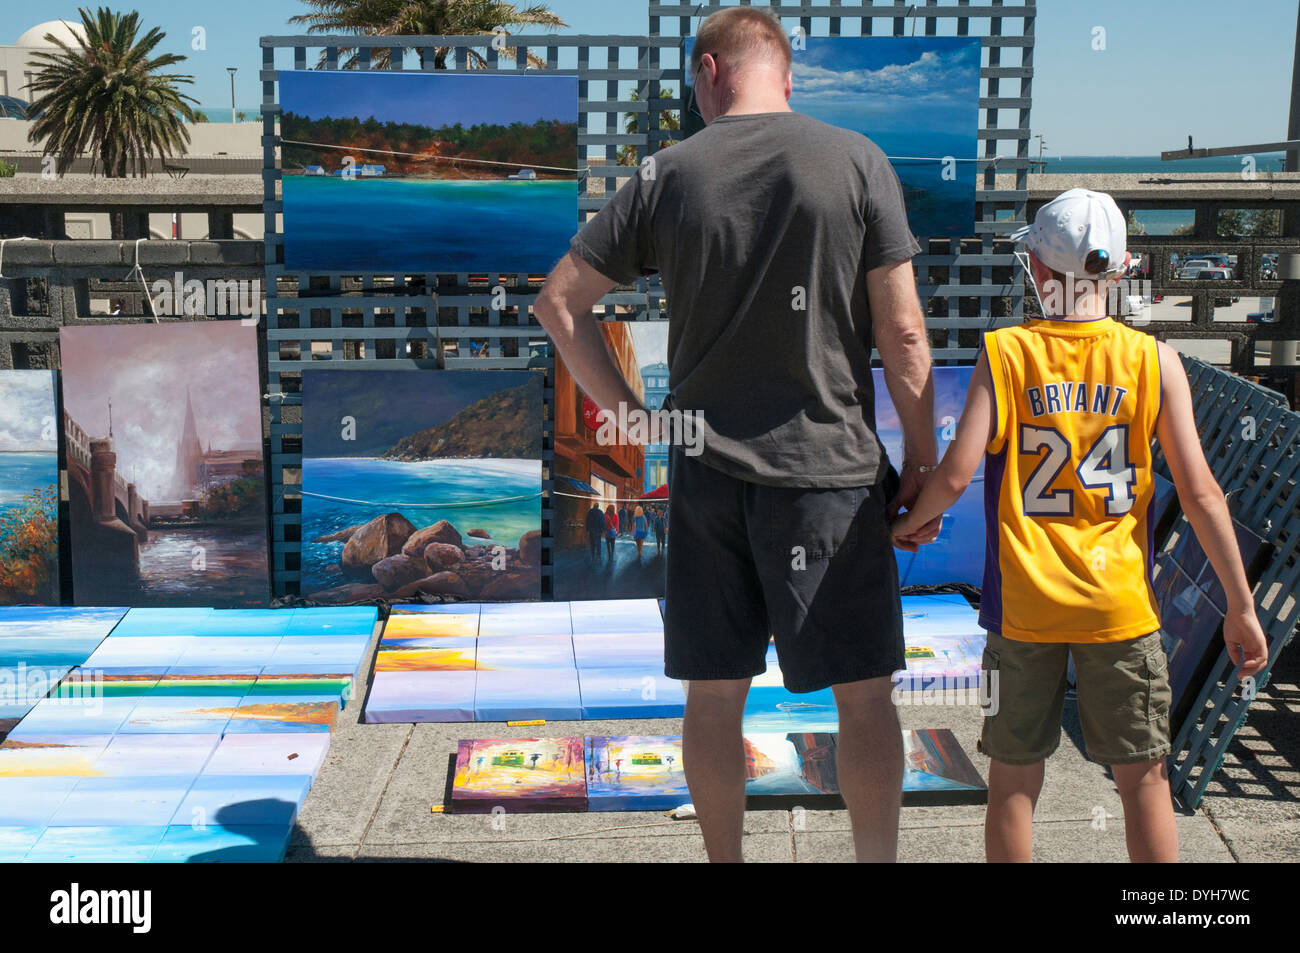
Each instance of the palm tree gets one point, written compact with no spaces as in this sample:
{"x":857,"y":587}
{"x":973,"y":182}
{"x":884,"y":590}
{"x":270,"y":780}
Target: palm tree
{"x":423,"y":18}
{"x":668,"y":119}
{"x":106,"y":97}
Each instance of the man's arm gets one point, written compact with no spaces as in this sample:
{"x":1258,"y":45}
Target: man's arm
{"x":564,"y":309}
{"x":960,"y":461}
{"x":1202,"y":501}
{"x":898,"y":325}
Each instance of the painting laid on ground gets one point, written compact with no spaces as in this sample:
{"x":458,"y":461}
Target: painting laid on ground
{"x":422,"y":483}
{"x":418,"y":172}
{"x":29,"y":488}
{"x":611,"y":498}
{"x":163,"y":429}
{"x":519,"y":774}
{"x":917,"y":98}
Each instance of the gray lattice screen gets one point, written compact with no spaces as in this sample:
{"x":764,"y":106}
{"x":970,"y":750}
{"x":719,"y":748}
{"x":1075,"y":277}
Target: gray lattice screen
{"x":404,"y":321}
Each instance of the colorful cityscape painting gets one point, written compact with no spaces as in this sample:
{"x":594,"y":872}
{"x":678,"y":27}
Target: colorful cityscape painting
{"x":418,"y":173}
{"x":163,"y":429}
{"x":646,"y":773}
{"x":519,"y":774}
{"x":29,"y":489}
{"x":611,"y":499}
{"x":917,"y":98}
{"x":422,"y":484}
{"x":167,"y":762}
{"x":635,"y":773}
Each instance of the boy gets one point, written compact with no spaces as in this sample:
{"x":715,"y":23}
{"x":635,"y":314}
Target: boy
{"x":1064,"y":409}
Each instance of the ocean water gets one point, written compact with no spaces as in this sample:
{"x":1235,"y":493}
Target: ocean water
{"x":1073,"y":165}
{"x":408,"y":488}
{"x":427,"y":225}
{"x":20,"y":473}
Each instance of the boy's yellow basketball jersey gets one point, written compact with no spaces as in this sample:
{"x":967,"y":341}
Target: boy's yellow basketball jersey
{"x":1068,"y":484}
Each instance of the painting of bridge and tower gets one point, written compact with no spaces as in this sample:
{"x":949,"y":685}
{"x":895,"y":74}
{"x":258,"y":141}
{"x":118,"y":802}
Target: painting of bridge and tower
{"x":163,"y":431}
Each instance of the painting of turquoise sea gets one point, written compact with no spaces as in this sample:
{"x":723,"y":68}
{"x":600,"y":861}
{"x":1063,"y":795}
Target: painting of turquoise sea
{"x":29,"y":489}
{"x":422,"y":483}
{"x":917,"y":98}
{"x":422,"y":173}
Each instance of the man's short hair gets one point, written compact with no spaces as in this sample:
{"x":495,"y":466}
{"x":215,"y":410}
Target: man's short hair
{"x":741,"y":35}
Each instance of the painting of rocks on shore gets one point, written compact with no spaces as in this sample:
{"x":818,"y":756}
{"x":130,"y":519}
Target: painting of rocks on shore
{"x":163,"y":430}
{"x":421,"y":486}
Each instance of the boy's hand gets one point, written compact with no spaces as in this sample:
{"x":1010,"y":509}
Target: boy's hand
{"x":909,"y":536}
{"x":1245,"y":640}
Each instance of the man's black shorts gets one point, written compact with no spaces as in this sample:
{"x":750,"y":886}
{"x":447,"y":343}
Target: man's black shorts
{"x":813,"y":567}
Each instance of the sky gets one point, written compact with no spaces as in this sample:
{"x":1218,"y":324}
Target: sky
{"x":1165,"y":69}
{"x":405,"y":97}
{"x":27,"y":411}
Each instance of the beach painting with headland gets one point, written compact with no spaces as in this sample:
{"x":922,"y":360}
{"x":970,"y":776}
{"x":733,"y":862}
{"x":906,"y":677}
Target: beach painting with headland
{"x":422,"y":485}
{"x":163,"y":429}
{"x":917,"y":98}
{"x":420,"y":173}
{"x":29,"y":489}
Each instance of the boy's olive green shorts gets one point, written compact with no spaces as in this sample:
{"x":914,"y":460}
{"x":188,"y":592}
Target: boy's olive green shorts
{"x":1123,"y":695}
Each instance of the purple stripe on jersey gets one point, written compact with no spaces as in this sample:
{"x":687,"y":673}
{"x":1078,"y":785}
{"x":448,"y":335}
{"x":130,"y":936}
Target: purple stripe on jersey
{"x":1151,"y":538}
{"x":995,"y":465}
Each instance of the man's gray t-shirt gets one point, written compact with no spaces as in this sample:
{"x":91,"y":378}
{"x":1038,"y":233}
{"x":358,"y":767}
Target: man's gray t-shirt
{"x":763,"y":228}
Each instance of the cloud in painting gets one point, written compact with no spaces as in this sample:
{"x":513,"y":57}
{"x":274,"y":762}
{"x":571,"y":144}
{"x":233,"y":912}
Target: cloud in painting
{"x":26,"y":405}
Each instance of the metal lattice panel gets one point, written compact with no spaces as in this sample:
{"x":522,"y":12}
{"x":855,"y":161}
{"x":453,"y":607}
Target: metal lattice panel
{"x":1252,"y":444}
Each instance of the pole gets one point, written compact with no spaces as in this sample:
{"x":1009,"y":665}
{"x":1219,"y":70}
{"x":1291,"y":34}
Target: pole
{"x":232,"y":70}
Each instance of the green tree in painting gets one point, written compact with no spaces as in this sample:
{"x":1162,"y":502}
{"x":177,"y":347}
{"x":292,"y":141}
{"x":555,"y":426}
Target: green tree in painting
{"x":423,"y":18}
{"x":107,"y":97}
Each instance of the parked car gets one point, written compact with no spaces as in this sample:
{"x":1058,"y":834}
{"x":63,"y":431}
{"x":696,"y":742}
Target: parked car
{"x":1219,"y":274}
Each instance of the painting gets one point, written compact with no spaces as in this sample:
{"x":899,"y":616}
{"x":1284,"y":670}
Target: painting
{"x":422,"y":484}
{"x":413,"y":173}
{"x":39,"y":645}
{"x":521,"y":775}
{"x":771,"y":708}
{"x":619,"y":650}
{"x":29,"y":489}
{"x":958,"y":554}
{"x":611,"y":495}
{"x":944,"y":644}
{"x":163,"y":429}
{"x":1192,"y":604}
{"x":917,"y":98}
{"x":635,"y":773}
{"x":163,"y":761}
{"x":424,"y":668}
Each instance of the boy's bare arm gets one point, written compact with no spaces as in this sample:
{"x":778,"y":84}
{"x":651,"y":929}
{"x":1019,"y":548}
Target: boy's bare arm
{"x":960,"y":461}
{"x":1202,"y":501}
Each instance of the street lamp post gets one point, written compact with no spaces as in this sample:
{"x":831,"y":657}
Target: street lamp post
{"x":232,"y":70}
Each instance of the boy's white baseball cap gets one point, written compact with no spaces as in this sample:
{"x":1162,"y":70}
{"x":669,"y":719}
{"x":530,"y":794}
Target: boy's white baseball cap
{"x":1071,"y":227}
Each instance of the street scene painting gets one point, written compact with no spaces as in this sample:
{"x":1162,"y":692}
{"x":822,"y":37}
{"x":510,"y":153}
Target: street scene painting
{"x":163,"y":429}
{"x":415,"y":172}
{"x":422,"y":483}
{"x":611,"y":498}
{"x":29,"y":489}
{"x":917,"y":98}
{"x":519,"y":774}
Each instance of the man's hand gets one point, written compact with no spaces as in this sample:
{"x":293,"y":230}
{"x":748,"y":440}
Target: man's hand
{"x":1245,"y":640}
{"x":908,"y":535}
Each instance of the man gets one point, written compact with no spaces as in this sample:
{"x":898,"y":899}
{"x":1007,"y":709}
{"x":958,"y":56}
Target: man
{"x":595,"y":525}
{"x":781,"y":242}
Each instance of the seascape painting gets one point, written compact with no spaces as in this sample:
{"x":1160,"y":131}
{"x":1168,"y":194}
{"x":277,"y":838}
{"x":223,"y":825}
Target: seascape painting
{"x":422,"y":483}
{"x":418,"y":173}
{"x":917,"y":98}
{"x":29,"y":489}
{"x":163,"y":428}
